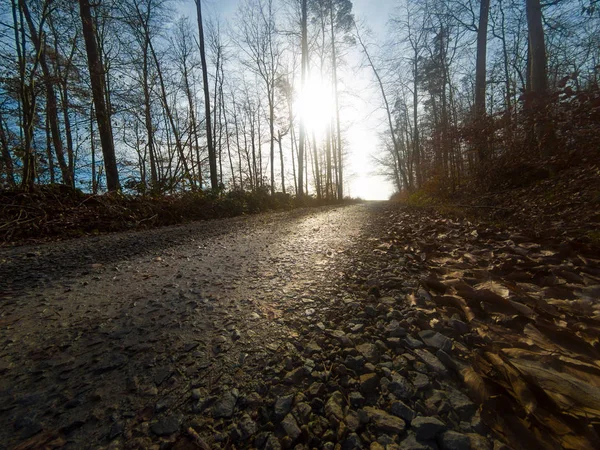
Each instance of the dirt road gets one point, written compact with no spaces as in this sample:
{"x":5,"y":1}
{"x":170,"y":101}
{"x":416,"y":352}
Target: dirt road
{"x":96,"y":329}
{"x":290,"y":330}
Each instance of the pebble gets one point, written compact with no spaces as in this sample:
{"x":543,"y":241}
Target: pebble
{"x":291,"y":427}
{"x":402,"y":410}
{"x":334,"y":407}
{"x":225,"y":405}
{"x":451,"y":440}
{"x":369,"y":383}
{"x":370,"y":352}
{"x":413,"y":343}
{"x":400,"y":387}
{"x":283,"y":405}
{"x":382,"y":421}
{"x":427,"y":427}
{"x":296,"y":375}
{"x":435,"y":340}
{"x":431,"y":361}
{"x":165,"y":426}
{"x":356,"y":399}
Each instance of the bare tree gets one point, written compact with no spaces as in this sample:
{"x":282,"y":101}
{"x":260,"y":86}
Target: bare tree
{"x":212,"y":158}
{"x":98,"y":85}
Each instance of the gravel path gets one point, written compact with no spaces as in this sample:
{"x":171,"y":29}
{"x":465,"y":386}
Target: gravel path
{"x":320,"y":328}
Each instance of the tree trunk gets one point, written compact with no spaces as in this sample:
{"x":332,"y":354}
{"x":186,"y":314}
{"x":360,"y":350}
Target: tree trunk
{"x":304,"y":62}
{"x":97,"y":81}
{"x":281,"y":161}
{"x":212,"y":158}
{"x":340,"y":186}
{"x":395,"y":141}
{"x":544,"y":131}
{"x":51,"y":106}
{"x":49,"y":154}
{"x":6,"y":158}
{"x":148,"y":117}
{"x":480,"y":79}
{"x":178,"y":143}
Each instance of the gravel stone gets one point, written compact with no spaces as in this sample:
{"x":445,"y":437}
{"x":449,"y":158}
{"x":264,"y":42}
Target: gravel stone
{"x":283,"y":405}
{"x":451,"y":440}
{"x":291,"y":427}
{"x":383,"y":421}
{"x":370,"y":352}
{"x":224,"y":406}
{"x":436,"y":340}
{"x":427,"y":427}
{"x":402,"y":410}
{"x":369,"y":383}
{"x":165,"y":426}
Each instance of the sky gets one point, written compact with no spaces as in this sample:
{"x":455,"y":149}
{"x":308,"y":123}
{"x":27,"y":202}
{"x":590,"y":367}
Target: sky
{"x":361,"y":110}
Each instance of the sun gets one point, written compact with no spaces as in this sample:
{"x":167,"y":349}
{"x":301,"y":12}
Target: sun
{"x":315,"y":106}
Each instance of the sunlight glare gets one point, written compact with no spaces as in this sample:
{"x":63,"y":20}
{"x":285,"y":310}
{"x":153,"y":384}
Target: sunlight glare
{"x":315,"y":107}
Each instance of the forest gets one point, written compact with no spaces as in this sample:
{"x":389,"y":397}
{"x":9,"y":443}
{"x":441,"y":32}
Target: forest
{"x":136,"y":96}
{"x":184,"y":263}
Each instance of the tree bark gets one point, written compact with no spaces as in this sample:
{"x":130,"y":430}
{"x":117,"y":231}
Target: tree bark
{"x":212,"y":158}
{"x":302,"y":134}
{"x":6,"y":158}
{"x":340,"y":185}
{"x":51,"y":106}
{"x":480,"y":79}
{"x":538,"y":78}
{"x":98,"y":83}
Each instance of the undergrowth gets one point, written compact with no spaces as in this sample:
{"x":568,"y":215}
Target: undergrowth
{"x":58,"y":211}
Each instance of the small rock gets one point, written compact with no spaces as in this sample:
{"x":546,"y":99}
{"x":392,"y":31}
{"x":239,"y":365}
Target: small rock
{"x":370,"y":352}
{"x":312,"y":347}
{"x":272,"y":443}
{"x":352,"y":442}
{"x":411,"y":443}
{"x":247,"y":426}
{"x":165,"y":426}
{"x":369,"y":383}
{"x":334,"y":407}
{"x":479,"y":442}
{"x":394,"y":330}
{"x":196,"y":394}
{"x":427,"y":427}
{"x":290,"y":427}
{"x":385,"y":422}
{"x":431,"y":361}
{"x":402,"y":410}
{"x":435,"y":340}
{"x":461,"y":404}
{"x":283,"y":405}
{"x":352,"y":420}
{"x":162,"y":375}
{"x":413,"y":343}
{"x":27,"y":426}
{"x":356,"y":399}
{"x":111,"y":363}
{"x":115,"y":430}
{"x":420,"y":381}
{"x":451,"y":440}
{"x":296,"y":375}
{"x":459,"y":326}
{"x":354,"y":363}
{"x":225,"y":405}
{"x":401,"y":387}
{"x":316,"y":389}
{"x":302,"y":412}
